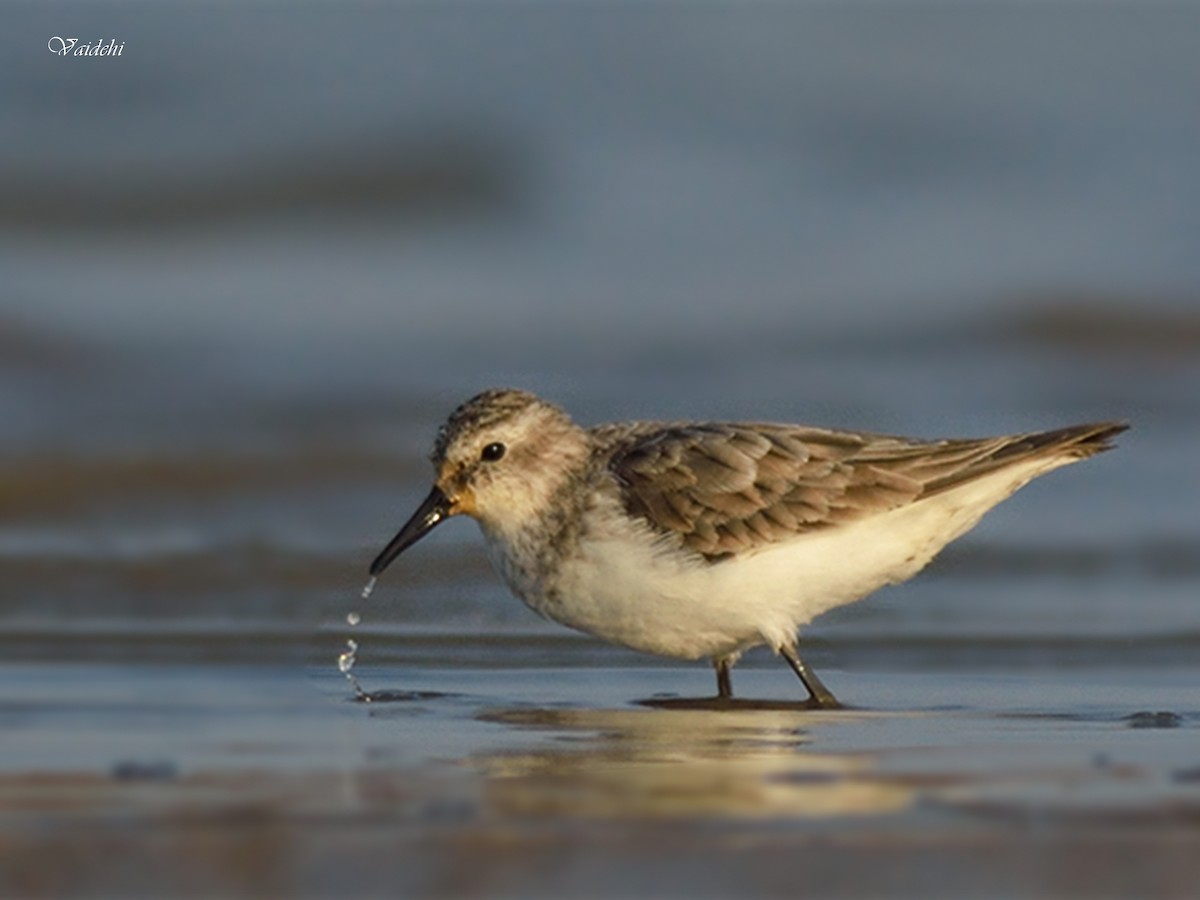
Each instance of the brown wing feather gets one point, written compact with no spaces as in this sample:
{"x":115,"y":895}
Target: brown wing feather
{"x":725,"y":489}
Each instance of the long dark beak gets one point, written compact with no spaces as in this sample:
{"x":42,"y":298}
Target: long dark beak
{"x":435,"y":508}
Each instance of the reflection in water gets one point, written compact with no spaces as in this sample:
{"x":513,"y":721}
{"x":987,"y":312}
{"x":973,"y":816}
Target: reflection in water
{"x":681,"y":763}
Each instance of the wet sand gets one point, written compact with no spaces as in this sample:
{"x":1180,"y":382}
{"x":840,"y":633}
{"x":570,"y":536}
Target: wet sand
{"x":264,"y":781}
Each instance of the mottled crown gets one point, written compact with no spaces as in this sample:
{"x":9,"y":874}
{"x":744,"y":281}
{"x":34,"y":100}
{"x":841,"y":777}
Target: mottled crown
{"x":482,"y":410}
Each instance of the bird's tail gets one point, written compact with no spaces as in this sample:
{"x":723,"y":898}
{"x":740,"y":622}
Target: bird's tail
{"x":1074,"y":441}
{"x":972,"y":459}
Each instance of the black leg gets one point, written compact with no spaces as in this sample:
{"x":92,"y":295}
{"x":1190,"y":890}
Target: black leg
{"x":819,"y":695}
{"x":724,"y":682}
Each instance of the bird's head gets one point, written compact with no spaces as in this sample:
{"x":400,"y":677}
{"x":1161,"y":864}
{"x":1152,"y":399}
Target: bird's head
{"x":499,"y":458}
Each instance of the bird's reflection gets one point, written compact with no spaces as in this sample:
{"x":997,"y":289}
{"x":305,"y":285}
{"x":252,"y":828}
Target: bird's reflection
{"x":655,"y":763}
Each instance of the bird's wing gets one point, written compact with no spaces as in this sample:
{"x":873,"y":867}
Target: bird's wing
{"x":725,"y":489}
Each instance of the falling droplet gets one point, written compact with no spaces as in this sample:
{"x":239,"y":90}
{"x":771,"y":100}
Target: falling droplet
{"x":346,"y":659}
{"x":349,"y":656}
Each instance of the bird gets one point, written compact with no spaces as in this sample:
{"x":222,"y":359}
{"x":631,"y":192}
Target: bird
{"x":701,"y":540}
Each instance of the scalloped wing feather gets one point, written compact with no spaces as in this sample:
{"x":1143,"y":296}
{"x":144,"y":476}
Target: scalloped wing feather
{"x":727,"y":489}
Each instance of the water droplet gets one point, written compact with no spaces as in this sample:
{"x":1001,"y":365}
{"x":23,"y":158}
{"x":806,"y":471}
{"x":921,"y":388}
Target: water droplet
{"x":346,"y":658}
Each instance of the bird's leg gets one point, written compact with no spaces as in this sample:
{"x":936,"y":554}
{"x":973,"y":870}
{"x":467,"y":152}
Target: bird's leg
{"x":724,"y":682}
{"x":819,"y":695}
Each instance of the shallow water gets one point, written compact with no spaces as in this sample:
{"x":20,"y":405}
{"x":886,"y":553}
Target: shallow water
{"x":173,"y":721}
{"x":191,"y":762}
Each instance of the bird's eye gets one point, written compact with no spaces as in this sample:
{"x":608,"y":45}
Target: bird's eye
{"x":492,"y":452}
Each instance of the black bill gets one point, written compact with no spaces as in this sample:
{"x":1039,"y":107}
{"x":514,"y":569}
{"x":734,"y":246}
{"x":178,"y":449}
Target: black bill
{"x":434,"y":508}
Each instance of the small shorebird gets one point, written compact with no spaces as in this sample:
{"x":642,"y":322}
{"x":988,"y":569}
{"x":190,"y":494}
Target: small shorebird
{"x":704,"y":539}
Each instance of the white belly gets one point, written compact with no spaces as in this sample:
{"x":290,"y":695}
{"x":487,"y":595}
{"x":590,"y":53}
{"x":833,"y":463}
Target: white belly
{"x":625,"y":589}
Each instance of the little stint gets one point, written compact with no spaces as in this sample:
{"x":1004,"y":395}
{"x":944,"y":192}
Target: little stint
{"x":704,"y":539}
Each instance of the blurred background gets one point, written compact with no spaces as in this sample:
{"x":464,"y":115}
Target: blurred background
{"x":248,"y":266}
